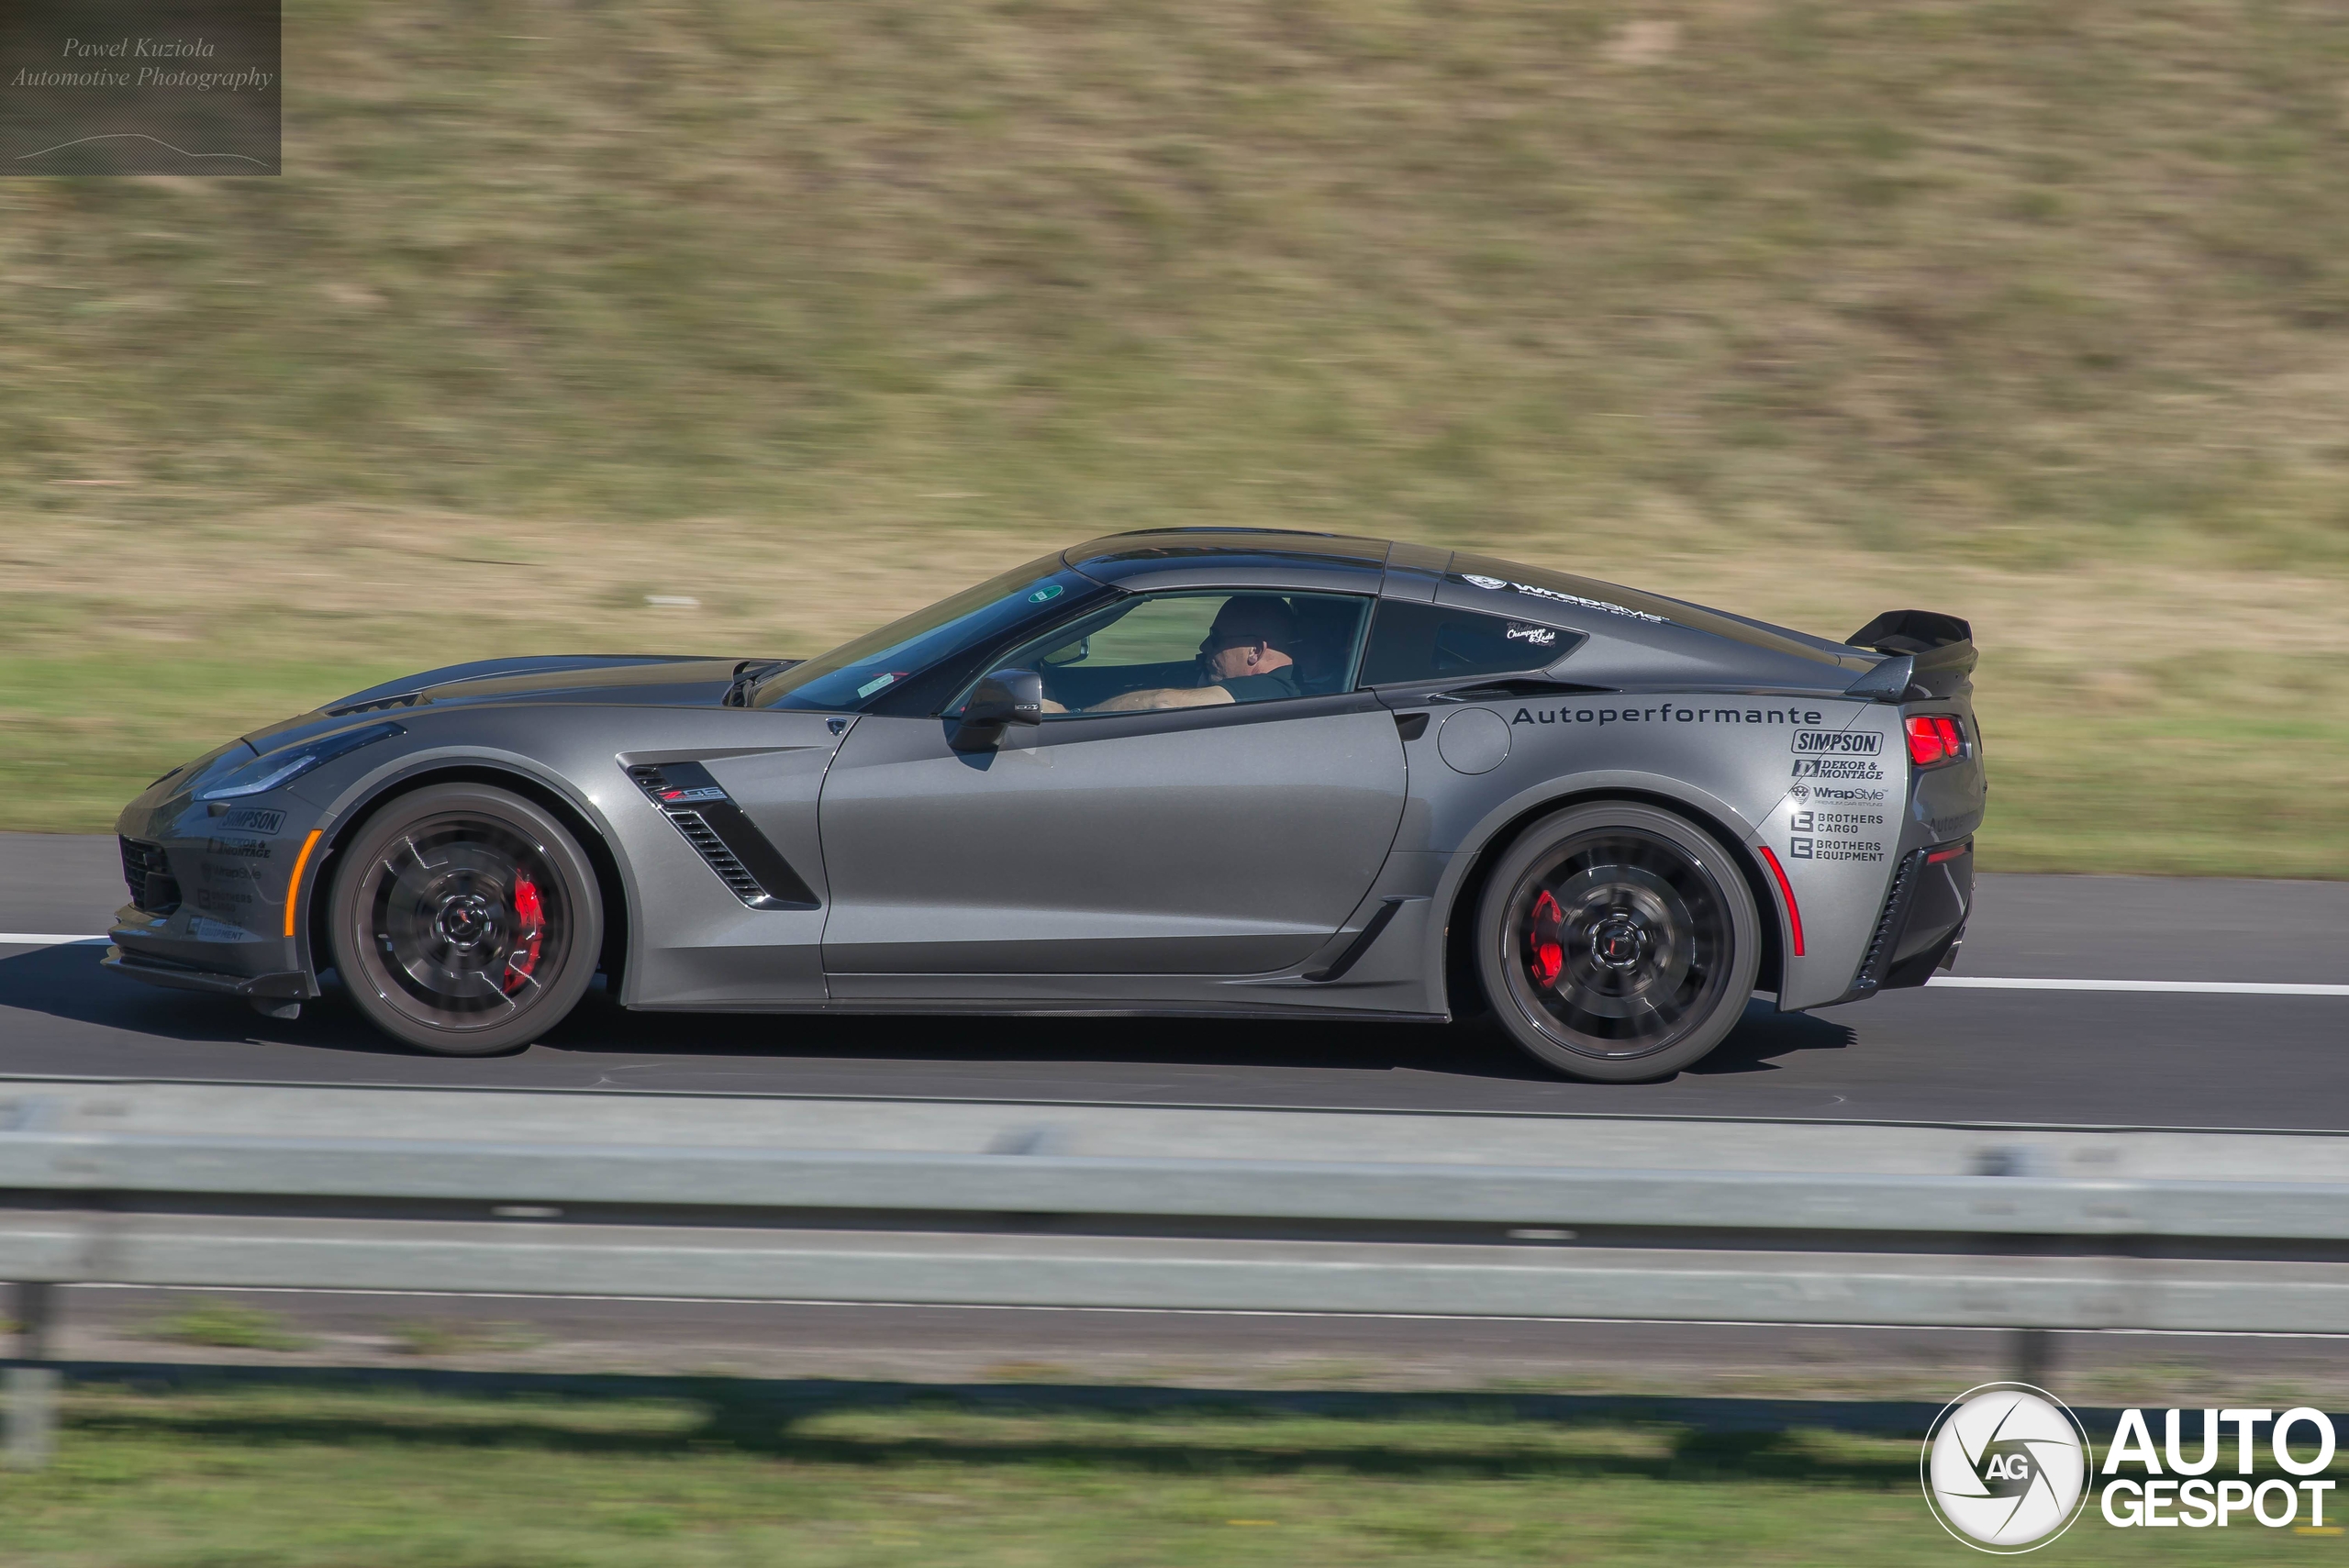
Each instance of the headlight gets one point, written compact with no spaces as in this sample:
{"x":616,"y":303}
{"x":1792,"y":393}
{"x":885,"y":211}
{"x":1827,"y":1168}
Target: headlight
{"x":266,"y":772}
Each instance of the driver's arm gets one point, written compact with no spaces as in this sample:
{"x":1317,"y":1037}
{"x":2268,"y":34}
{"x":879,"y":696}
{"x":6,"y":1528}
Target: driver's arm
{"x":1163,"y":697}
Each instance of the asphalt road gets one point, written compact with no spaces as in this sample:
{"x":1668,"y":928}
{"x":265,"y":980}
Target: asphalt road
{"x":2020,"y":1057}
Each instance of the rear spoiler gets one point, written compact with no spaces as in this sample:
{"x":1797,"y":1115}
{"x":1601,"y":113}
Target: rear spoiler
{"x":1931,"y":656}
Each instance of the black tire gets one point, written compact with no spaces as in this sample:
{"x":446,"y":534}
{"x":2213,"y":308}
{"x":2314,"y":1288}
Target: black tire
{"x":1616,"y":942}
{"x":464,"y":920}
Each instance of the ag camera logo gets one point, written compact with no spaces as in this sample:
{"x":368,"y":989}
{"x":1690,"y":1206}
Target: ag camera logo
{"x":2006,"y":1467}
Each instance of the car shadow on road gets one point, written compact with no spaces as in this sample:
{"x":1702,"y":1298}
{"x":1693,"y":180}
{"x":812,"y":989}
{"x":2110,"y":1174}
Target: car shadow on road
{"x":1765,"y":1034}
{"x":67,"y":982}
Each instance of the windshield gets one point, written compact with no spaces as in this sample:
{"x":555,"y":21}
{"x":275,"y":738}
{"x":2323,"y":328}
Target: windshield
{"x":861,"y":671}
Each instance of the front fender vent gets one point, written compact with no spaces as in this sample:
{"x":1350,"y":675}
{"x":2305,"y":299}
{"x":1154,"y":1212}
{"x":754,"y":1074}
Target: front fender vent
{"x":729,"y":870}
{"x":729,"y":842}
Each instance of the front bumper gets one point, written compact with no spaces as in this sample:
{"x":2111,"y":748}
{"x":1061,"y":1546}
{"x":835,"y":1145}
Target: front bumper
{"x":208,"y":895}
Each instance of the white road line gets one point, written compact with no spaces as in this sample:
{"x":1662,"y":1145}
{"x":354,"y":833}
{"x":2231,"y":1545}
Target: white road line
{"x":41,"y":939}
{"x":2210,"y":988}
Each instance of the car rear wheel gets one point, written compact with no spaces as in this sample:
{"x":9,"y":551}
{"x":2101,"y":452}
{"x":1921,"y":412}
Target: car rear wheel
{"x":1618,"y":942}
{"x":465,"y":920}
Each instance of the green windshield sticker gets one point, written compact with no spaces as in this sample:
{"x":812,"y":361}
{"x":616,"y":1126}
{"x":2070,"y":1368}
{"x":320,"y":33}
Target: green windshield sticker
{"x":1049,"y":591}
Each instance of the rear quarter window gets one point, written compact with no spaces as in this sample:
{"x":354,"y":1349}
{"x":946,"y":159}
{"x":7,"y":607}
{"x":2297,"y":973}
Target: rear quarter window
{"x":1433,"y":642}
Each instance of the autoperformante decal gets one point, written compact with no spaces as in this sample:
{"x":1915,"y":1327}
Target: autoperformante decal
{"x":1495,"y":584}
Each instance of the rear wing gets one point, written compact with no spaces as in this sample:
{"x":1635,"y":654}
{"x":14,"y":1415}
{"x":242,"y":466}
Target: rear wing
{"x":1931,"y":657}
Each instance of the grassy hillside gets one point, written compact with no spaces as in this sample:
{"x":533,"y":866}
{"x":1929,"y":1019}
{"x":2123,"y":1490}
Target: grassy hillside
{"x":2038,"y":312}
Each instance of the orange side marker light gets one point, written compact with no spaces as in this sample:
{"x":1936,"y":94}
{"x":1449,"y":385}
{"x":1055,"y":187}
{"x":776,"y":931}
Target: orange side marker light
{"x":311,"y":843}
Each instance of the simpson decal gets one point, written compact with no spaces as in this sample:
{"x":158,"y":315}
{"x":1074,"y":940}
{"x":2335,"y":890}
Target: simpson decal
{"x":1838,"y":743}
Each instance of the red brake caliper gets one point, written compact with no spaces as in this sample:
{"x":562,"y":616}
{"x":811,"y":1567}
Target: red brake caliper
{"x":529,"y":933}
{"x":1549,"y":955}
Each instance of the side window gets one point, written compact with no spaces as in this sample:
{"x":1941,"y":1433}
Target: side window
{"x":1433,"y":642}
{"x":1196,"y":649}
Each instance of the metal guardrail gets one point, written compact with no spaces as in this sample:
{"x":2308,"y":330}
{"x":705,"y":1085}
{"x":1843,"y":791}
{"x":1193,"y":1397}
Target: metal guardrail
{"x":413,"y":1170}
{"x":1431,"y":1235}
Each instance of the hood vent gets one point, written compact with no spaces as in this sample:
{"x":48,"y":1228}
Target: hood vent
{"x":405,"y":699}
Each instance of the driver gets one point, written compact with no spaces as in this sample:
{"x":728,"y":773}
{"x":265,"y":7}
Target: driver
{"x":1246,"y":656}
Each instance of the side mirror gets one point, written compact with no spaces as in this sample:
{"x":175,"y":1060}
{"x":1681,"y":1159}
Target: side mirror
{"x":1004,"y":698}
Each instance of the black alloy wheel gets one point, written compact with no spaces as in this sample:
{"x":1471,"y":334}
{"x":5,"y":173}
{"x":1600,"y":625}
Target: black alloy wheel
{"x":1618,"y":942}
{"x":465,"y":920}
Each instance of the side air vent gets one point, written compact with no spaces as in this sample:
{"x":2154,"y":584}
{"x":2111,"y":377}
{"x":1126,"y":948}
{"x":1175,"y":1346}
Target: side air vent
{"x":730,"y":871}
{"x":723,"y":835}
{"x":148,"y":875}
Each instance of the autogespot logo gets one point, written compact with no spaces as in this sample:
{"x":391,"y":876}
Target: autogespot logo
{"x":2006,"y":1467}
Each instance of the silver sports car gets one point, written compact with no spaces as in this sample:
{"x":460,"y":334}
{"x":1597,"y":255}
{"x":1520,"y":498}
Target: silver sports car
{"x":1196,"y":771}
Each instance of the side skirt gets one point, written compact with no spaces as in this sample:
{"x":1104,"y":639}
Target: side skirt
{"x":1034,"y":1009}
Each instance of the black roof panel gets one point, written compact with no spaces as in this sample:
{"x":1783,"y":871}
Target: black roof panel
{"x":1165,"y":554}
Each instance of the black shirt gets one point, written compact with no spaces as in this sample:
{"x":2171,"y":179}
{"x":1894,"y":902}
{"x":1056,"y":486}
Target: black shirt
{"x":1280,"y":683}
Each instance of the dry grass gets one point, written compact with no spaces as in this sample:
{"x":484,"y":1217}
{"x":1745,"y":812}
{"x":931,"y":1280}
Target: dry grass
{"x":2145,"y":716}
{"x":2038,"y":311}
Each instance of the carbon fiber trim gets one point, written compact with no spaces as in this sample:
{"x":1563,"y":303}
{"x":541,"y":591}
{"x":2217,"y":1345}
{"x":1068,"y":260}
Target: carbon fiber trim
{"x":1889,"y":926}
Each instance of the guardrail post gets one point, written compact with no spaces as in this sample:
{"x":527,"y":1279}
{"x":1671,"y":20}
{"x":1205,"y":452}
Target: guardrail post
{"x":2034,"y":1356}
{"x":32,"y":1390}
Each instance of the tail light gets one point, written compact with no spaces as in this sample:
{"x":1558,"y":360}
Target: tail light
{"x":1934,"y":739}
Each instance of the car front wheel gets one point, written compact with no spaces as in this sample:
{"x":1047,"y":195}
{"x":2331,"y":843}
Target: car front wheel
{"x":465,"y":920}
{"x":1618,"y":942}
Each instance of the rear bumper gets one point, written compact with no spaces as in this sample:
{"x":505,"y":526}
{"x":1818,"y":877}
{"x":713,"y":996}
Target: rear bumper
{"x":1923,"y":919}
